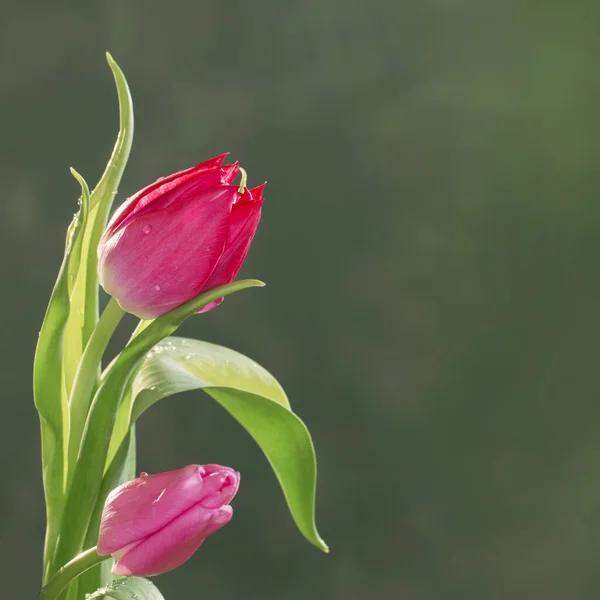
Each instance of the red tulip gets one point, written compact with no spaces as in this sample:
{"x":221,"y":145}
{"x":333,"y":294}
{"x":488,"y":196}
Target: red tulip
{"x":179,"y":237}
{"x":155,"y":523}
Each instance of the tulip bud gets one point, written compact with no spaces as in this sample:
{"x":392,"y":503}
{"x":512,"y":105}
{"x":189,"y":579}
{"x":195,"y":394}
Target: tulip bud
{"x":155,"y":523}
{"x":179,"y":237}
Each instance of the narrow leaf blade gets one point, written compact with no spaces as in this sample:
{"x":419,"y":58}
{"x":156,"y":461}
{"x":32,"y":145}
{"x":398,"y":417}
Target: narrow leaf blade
{"x":48,"y":384}
{"x":84,"y":292}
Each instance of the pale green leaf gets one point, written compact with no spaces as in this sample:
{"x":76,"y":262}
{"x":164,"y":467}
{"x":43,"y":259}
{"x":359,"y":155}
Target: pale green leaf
{"x":253,"y":397}
{"x":128,"y":588}
{"x":200,"y":364}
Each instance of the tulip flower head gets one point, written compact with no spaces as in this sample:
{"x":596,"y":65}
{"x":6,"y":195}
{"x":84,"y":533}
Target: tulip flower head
{"x":179,"y":237}
{"x":155,"y":523}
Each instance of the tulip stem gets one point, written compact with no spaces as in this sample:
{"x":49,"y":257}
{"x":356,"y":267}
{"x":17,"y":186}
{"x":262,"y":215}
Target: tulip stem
{"x":73,"y":569}
{"x":86,"y":377}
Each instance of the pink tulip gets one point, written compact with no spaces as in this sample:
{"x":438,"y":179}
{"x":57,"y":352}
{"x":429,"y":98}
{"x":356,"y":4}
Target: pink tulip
{"x":181,"y":236}
{"x":155,"y":523}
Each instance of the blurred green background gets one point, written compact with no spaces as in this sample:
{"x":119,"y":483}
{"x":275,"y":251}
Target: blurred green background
{"x":429,"y":241}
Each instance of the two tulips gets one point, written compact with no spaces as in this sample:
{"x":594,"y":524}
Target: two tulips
{"x":181,"y":236}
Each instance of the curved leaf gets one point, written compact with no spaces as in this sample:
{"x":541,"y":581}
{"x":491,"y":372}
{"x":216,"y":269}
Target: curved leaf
{"x":109,"y":182}
{"x":253,"y":397}
{"x":198,"y":364}
{"x":84,"y":288}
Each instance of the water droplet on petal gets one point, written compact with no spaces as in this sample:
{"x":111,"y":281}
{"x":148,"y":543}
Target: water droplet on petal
{"x":147,"y":230}
{"x":157,"y":287}
{"x":143,"y":474}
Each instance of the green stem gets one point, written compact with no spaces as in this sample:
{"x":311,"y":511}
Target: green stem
{"x":81,"y":563}
{"x":86,"y":378}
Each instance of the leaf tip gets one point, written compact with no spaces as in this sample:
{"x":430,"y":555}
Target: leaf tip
{"x":252,"y":282}
{"x":114,"y":67}
{"x":84,"y":187}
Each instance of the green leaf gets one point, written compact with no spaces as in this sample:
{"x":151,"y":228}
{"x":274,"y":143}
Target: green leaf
{"x":71,"y":318}
{"x":49,"y":395}
{"x":87,"y":479}
{"x":85,"y":381}
{"x":253,"y":397}
{"x":85,"y":209}
{"x":128,"y":588}
{"x":84,"y":289}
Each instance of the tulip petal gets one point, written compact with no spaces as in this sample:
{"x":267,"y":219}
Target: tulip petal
{"x":210,"y":173}
{"x":174,"y":544}
{"x":162,"y":259}
{"x":219,"y":488}
{"x":229,"y":172}
{"x":140,"y":507}
{"x":192,"y":186}
{"x":210,"y":305}
{"x":245,"y":216}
